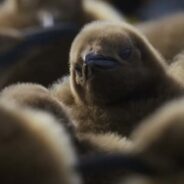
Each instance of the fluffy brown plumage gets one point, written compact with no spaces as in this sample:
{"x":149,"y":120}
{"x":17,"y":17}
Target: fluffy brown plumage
{"x":166,"y":34}
{"x":116,"y":79}
{"x":35,"y":148}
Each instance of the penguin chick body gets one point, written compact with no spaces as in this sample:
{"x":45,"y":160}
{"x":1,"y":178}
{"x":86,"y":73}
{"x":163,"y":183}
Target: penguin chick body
{"x":116,"y":79}
{"x":35,"y":148}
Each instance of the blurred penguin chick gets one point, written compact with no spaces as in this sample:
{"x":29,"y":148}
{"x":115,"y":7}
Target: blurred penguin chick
{"x":116,"y":79}
{"x":29,"y":13}
{"x":35,"y":148}
{"x":159,"y":141}
{"x":34,"y":96}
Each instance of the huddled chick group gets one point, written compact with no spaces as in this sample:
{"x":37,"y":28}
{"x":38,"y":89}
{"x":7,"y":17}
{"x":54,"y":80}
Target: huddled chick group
{"x":121,"y":99}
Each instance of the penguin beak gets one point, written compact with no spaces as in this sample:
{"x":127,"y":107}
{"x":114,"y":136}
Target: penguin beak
{"x":95,"y":61}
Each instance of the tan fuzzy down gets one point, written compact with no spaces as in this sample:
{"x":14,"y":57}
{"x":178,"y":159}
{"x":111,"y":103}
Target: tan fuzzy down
{"x":35,"y":148}
{"x":107,"y":143}
{"x":176,"y":68}
{"x":60,"y":88}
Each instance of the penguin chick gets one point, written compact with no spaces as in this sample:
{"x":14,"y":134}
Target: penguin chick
{"x":165,"y":34}
{"x":159,"y":141}
{"x":34,"y":148}
{"x":116,"y":79}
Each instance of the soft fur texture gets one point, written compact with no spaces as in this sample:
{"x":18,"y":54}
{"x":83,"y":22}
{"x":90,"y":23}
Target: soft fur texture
{"x":118,"y":98}
{"x":159,"y":141}
{"x":166,"y":34}
{"x":34,"y":96}
{"x":176,"y":69}
{"x":35,"y":148}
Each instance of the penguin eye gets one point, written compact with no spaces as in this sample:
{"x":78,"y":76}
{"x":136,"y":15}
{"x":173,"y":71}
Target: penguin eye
{"x":125,"y":53}
{"x":78,"y":69}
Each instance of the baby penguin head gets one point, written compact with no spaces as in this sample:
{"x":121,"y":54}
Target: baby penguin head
{"x":110,"y":62}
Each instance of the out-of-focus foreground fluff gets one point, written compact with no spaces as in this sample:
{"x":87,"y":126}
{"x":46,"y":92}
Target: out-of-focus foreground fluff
{"x":159,"y":142}
{"x":34,"y":148}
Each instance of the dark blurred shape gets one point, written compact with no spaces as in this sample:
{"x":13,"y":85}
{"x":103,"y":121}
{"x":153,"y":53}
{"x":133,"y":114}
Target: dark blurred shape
{"x":128,"y":7}
{"x":148,"y":9}
{"x":40,"y":57}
